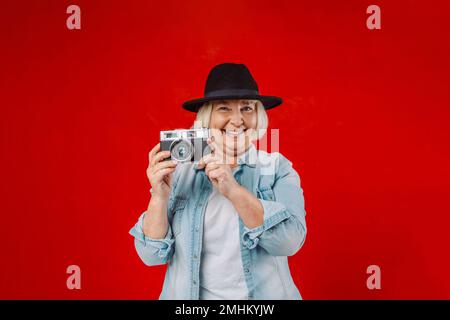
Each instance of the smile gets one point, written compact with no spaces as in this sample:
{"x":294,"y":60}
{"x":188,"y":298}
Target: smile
{"x":233,"y":133}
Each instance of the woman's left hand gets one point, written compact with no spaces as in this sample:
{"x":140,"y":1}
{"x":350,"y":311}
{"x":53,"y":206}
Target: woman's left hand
{"x":219,"y":171}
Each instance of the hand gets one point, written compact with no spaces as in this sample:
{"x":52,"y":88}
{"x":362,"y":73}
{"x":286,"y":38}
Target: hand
{"x":218,"y":171}
{"x":159,"y":172}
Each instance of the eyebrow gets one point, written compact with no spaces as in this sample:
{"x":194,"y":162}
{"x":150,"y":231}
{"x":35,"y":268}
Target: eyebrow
{"x":244,"y":102}
{"x":247,"y":103}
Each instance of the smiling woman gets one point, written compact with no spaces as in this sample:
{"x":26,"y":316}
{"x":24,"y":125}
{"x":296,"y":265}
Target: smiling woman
{"x":247,"y":107}
{"x":225,"y":228}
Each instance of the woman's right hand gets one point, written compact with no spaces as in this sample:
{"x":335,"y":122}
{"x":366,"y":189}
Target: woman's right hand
{"x":159,"y":172}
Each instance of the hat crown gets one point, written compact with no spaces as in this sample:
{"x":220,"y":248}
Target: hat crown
{"x":230,"y":76}
{"x":231,"y":81}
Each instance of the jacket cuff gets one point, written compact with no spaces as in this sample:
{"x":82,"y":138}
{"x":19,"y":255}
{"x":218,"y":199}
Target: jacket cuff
{"x":274,"y":213}
{"x":163,"y":245}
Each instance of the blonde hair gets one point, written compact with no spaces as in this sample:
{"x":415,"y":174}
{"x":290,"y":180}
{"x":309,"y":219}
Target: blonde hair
{"x":262,"y":122}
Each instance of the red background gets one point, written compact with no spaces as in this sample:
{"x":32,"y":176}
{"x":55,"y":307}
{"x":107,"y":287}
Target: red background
{"x":365,"y":122}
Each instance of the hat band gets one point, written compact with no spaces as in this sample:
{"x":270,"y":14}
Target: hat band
{"x":231,"y":92}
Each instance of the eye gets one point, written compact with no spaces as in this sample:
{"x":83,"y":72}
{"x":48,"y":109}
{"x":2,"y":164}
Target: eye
{"x":224,"y":108}
{"x":247,"y":109}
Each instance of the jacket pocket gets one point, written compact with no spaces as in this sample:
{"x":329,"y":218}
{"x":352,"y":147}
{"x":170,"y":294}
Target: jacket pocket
{"x":178,"y":209}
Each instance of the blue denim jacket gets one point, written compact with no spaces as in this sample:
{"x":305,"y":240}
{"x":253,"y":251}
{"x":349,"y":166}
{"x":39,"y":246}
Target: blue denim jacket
{"x":264,"y":249}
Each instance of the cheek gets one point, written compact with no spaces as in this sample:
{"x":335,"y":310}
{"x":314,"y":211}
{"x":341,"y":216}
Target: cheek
{"x":251,"y":121}
{"x":217,"y":121}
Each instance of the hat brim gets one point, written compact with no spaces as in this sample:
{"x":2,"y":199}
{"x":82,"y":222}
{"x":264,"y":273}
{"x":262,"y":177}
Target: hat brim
{"x":268,"y":102}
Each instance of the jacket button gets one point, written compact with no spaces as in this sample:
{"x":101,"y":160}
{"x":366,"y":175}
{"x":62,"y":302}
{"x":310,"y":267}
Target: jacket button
{"x":246,"y":270}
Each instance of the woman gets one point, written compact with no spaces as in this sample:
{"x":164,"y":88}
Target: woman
{"x":226,"y":225}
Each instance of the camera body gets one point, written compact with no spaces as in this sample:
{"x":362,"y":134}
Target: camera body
{"x":185,"y":145}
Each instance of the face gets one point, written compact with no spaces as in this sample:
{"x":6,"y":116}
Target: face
{"x":234,"y":121}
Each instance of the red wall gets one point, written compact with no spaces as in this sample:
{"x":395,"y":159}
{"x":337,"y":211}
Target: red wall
{"x":365,"y":121}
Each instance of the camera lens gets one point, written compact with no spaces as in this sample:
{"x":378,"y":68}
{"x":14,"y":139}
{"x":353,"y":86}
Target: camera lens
{"x":181,"y":150}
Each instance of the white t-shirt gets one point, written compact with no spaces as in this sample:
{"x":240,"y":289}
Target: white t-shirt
{"x":221,"y":273}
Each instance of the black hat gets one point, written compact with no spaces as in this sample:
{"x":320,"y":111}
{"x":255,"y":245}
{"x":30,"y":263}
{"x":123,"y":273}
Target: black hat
{"x":231,"y":81}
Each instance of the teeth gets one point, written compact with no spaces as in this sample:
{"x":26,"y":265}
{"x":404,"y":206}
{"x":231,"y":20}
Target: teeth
{"x":234,"y":133}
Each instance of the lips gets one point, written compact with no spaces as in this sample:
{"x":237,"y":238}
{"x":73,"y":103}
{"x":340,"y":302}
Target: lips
{"x":233,"y":133}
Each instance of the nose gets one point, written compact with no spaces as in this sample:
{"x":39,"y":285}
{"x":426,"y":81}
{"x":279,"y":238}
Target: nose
{"x":236,"y":118}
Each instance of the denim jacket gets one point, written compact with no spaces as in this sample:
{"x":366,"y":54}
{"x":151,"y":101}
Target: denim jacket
{"x":264,"y":249}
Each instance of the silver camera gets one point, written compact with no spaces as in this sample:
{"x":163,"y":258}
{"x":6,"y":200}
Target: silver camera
{"x":185,"y":145}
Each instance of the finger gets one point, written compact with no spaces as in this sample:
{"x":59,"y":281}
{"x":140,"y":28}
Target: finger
{"x":216,"y":134}
{"x":153,"y":152}
{"x":220,"y":141}
{"x":163,"y":165}
{"x":214,"y":182}
{"x":159,"y":176}
{"x":201,"y":164}
{"x":217,"y":141}
{"x":210,"y":146}
{"x":159,"y":157}
{"x":168,"y":179}
{"x":211,"y":166}
{"x":213,"y":145}
{"x":224,"y":147}
{"x":218,"y":148}
{"x":220,"y":157}
{"x":215,"y":174}
{"x":205,"y":160}
{"x":216,"y":137}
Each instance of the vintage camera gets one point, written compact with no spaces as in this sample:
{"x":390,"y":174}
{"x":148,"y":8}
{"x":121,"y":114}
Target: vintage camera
{"x":185,"y":145}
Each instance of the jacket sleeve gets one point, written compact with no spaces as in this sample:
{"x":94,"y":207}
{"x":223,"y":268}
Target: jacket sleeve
{"x":155,"y":252}
{"x":284,"y":229}
{"x":152,"y":252}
